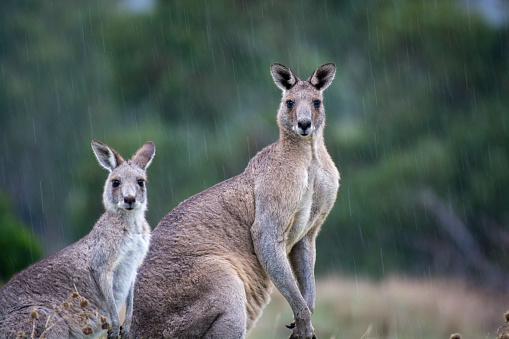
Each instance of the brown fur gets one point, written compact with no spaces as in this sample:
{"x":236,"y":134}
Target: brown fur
{"x":213,"y":259}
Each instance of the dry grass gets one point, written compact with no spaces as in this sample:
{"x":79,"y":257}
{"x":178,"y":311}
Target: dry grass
{"x":393,"y":308}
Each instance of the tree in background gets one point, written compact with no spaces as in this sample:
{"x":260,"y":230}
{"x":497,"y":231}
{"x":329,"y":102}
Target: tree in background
{"x":416,"y":125}
{"x":424,"y":166}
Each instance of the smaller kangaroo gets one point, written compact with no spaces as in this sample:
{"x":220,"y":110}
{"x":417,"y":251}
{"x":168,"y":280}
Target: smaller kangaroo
{"x":78,"y":291}
{"x":213,"y":260}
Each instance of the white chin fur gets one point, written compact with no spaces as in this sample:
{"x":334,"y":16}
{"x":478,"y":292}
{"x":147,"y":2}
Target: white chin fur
{"x":304,"y":133}
{"x":128,"y":207}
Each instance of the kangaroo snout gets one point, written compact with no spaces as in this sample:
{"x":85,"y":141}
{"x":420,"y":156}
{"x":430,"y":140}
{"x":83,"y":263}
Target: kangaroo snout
{"x":304,"y":126}
{"x":129,"y":202}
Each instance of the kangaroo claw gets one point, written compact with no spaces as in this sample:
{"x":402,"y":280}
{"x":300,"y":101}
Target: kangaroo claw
{"x":291,"y":326}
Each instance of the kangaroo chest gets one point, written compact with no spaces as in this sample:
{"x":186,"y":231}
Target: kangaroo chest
{"x":131,"y":255}
{"x":316,"y":200}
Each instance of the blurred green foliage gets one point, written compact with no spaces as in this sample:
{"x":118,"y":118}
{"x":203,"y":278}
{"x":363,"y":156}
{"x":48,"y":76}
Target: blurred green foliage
{"x":418,"y":106}
{"x":18,"y":246}
{"x":435,"y":120}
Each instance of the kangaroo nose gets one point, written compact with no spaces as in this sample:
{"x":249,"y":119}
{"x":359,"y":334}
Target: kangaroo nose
{"x":304,"y":125}
{"x":130,"y":200}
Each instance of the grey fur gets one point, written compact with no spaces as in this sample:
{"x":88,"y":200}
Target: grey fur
{"x":101,"y":267}
{"x":213,"y":259}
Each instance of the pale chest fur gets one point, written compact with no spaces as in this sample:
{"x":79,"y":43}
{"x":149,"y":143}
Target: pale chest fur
{"x":318,"y":190}
{"x":131,"y":253}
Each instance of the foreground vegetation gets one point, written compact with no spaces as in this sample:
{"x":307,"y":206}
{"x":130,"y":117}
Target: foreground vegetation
{"x":392,"y":308}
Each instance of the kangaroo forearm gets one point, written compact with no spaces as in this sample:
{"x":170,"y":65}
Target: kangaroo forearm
{"x":282,"y":277}
{"x":128,"y":309}
{"x":104,"y":282}
{"x":302,"y":260}
{"x":306,"y":282}
{"x":272,"y":256}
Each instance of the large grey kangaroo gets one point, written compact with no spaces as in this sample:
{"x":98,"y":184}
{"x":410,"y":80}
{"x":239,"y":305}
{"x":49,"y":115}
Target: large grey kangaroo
{"x":213,"y":259}
{"x":78,"y":291}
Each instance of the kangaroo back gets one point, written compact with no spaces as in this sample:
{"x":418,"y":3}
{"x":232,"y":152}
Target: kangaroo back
{"x":79,"y":290}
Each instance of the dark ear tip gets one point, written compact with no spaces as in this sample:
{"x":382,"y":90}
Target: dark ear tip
{"x":96,"y":142}
{"x":329,"y":65}
{"x":151,"y":144}
{"x":276,"y":65}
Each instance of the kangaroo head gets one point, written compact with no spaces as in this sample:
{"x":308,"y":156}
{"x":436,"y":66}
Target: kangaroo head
{"x":125,"y":187}
{"x":301,"y":111}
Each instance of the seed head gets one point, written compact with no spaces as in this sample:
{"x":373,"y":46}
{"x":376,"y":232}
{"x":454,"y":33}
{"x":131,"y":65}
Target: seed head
{"x":84,"y":316}
{"x":75,"y":294}
{"x":34,"y":314}
{"x":103,"y":319}
{"x":66,"y":305}
{"x":506,"y":316}
{"x":104,"y":322}
{"x":20,"y":334}
{"x":455,"y":336}
{"x":504,"y":335}
{"x":83,"y":302}
{"x":87,"y":330}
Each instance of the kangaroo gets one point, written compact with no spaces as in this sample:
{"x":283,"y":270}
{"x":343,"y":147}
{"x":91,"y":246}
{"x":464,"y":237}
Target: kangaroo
{"x":213,"y":259}
{"x":78,"y":291}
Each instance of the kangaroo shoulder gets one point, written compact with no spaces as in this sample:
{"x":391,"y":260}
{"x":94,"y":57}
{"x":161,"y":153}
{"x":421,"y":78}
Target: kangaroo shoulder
{"x":261,"y":161}
{"x":275,"y":162}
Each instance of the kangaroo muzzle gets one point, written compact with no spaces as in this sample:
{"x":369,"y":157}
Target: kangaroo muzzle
{"x":304,"y":123}
{"x":129,"y":202}
{"x":304,"y":126}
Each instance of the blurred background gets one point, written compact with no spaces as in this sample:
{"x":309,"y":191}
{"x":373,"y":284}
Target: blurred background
{"x":417,"y":124}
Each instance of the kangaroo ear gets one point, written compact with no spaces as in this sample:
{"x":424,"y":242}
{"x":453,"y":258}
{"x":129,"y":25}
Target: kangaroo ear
{"x":322,"y":76}
{"x":145,"y":154}
{"x":283,"y":76}
{"x":108,"y":157}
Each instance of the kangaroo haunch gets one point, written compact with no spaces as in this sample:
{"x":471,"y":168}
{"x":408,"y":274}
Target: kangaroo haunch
{"x":213,"y":259}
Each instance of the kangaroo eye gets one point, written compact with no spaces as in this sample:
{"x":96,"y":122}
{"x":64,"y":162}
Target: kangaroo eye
{"x":289,"y":104}
{"x":115,"y":183}
{"x":141,"y":183}
{"x":317,"y":103}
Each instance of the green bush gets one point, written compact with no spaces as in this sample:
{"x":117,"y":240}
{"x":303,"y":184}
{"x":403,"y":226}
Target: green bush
{"x":19,"y":248}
